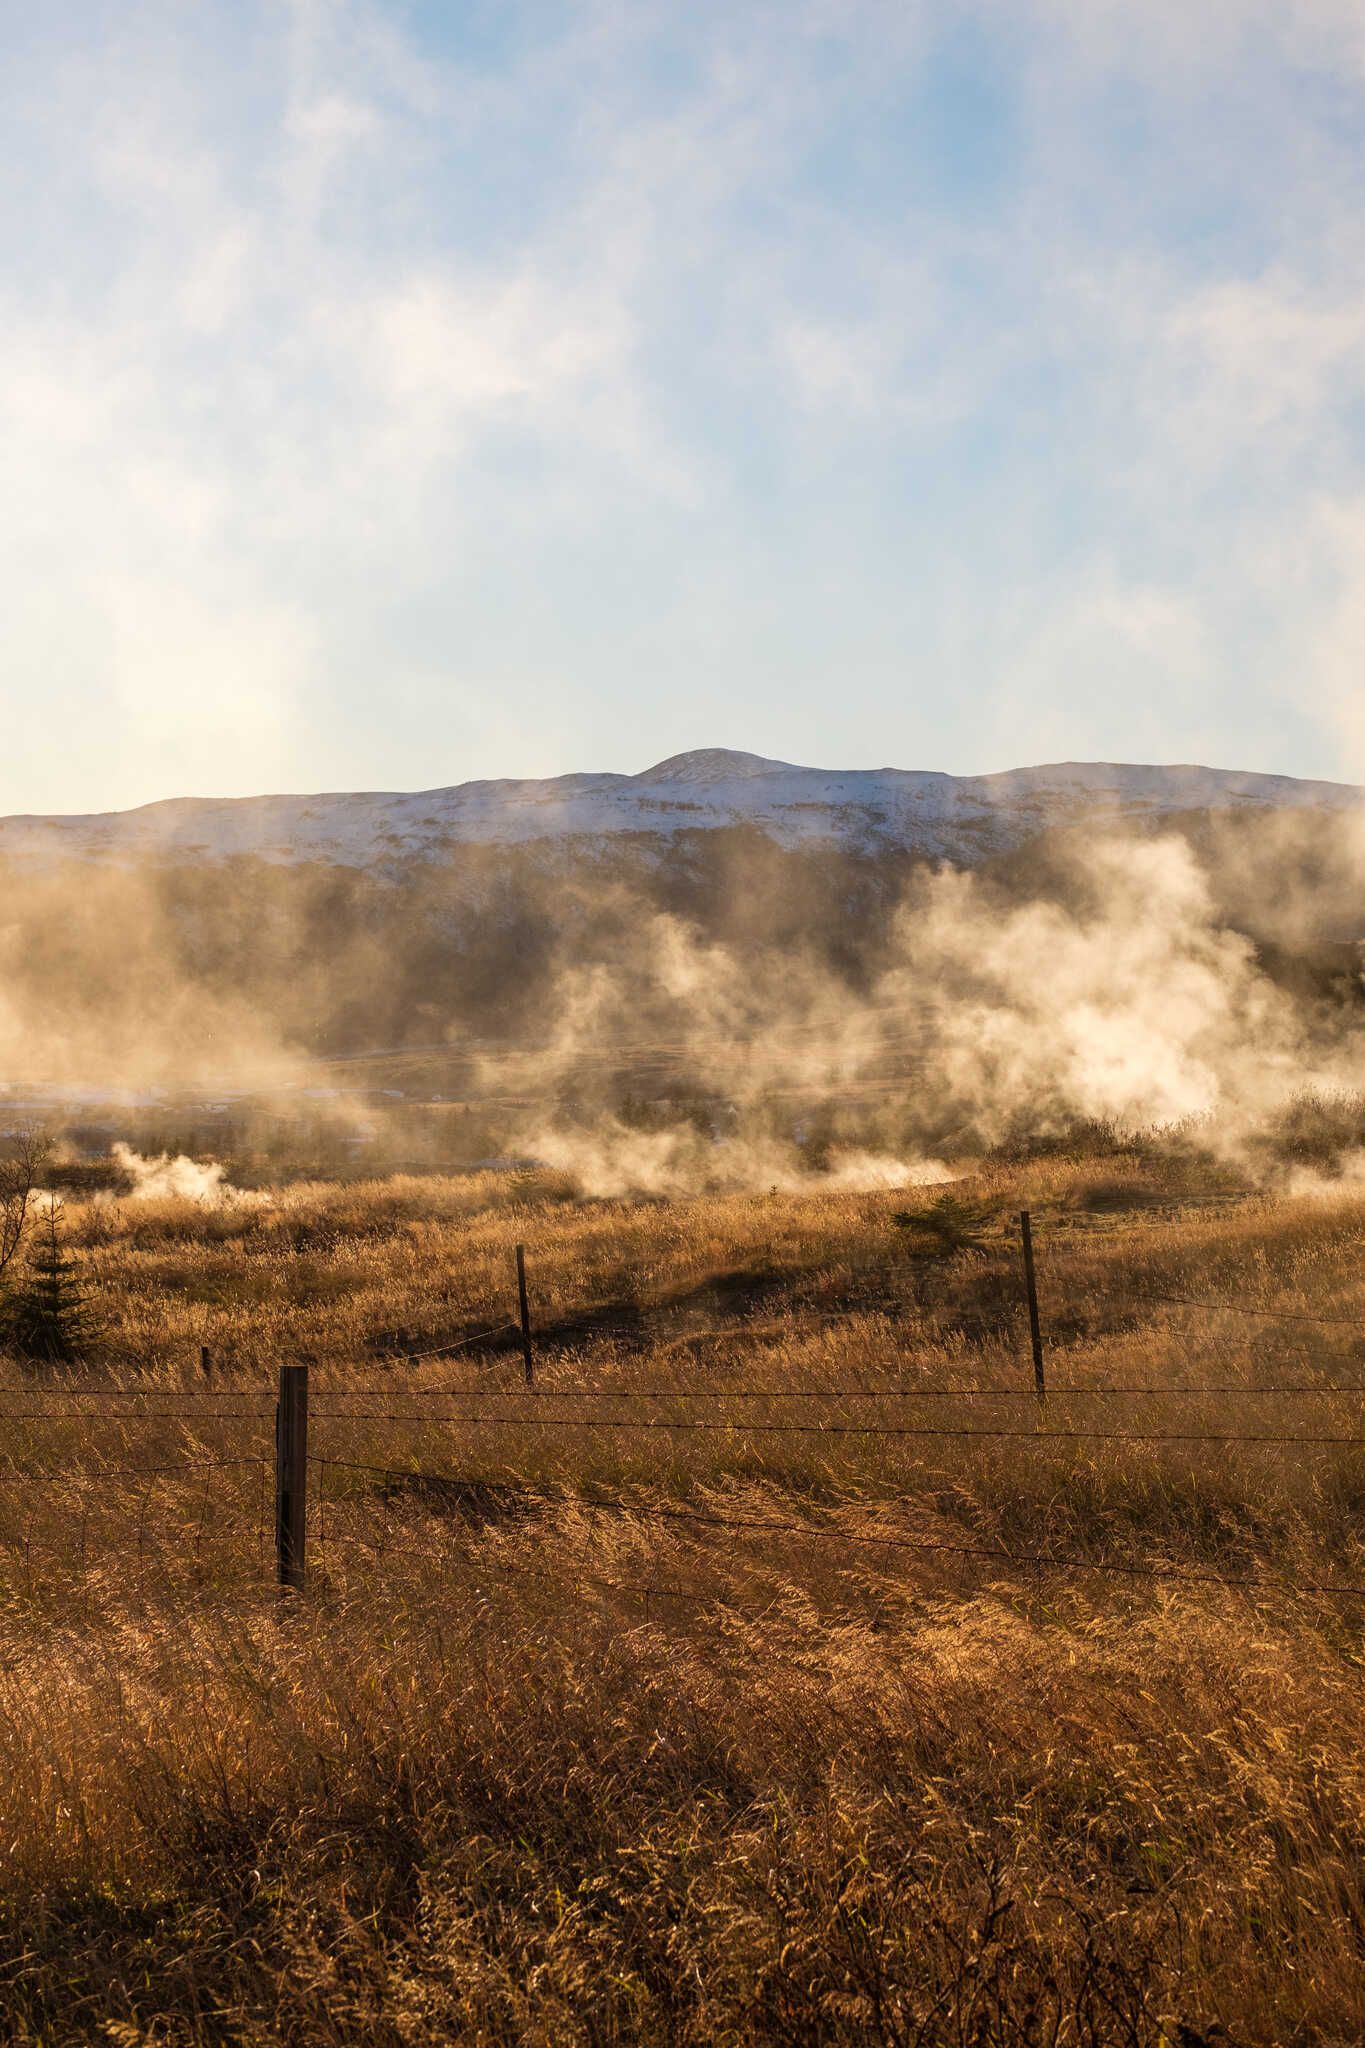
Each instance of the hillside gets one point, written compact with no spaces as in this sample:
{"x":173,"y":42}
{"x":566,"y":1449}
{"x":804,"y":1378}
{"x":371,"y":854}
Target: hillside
{"x":961,"y":819}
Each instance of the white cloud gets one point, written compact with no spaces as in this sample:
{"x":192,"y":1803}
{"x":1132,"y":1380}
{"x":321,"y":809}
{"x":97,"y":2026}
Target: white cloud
{"x":344,"y":329}
{"x":459,"y":348}
{"x":1270,"y":354}
{"x":257,"y":388}
{"x":1334,"y":657}
{"x":1101,"y":670}
{"x":1167,"y":35}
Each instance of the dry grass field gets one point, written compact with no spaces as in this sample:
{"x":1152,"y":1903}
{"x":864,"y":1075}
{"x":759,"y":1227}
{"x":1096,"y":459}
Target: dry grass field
{"x":595,"y":1725}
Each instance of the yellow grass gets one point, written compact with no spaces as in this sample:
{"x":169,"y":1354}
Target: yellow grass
{"x":586,"y":1733}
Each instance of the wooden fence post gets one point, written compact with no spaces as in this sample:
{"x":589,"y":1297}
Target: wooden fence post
{"x":1035,"y":1327}
{"x":205,"y":1361}
{"x":291,"y":1476}
{"x":526,"y":1356}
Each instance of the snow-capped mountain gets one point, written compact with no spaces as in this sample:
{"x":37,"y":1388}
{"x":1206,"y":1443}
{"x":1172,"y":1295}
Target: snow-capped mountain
{"x":956,"y":818}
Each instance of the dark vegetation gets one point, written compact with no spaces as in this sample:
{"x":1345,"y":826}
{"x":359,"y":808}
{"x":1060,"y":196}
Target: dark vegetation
{"x":47,"y":1317}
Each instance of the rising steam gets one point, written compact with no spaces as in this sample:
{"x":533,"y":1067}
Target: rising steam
{"x":168,"y":1179}
{"x":1125,"y":998}
{"x":729,"y":1016}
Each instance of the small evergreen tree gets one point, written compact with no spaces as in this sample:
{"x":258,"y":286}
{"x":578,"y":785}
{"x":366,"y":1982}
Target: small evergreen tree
{"x":949,"y":1224}
{"x":48,"y":1319}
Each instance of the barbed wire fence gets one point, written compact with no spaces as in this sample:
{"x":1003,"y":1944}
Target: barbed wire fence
{"x":537,"y":1407}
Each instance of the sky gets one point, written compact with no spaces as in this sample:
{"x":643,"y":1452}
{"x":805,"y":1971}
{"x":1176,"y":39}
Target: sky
{"x":394,"y":394}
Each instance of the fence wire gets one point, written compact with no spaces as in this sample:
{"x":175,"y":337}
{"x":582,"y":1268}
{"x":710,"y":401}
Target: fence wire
{"x":466,"y":1408}
{"x":9,"y":1470}
{"x":1241,"y":1308}
{"x":882,"y":1429}
{"x":542,"y":1392}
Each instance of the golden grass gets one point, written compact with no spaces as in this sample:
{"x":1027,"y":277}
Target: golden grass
{"x":592,"y":1734}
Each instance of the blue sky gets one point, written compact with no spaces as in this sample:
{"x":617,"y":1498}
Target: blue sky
{"x":393,"y":394}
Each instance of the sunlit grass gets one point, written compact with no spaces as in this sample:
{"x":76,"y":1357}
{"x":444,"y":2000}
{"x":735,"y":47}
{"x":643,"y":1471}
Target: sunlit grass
{"x":596,"y":1733}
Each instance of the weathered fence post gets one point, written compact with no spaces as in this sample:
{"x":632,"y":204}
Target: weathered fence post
{"x":526,"y":1356}
{"x":205,"y":1361}
{"x":1035,"y":1327}
{"x":291,"y":1475}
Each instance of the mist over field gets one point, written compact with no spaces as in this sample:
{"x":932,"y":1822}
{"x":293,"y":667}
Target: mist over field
{"x":724,"y":1012}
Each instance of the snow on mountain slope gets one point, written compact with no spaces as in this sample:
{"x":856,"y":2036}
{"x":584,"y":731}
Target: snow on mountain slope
{"x":958,"y":818}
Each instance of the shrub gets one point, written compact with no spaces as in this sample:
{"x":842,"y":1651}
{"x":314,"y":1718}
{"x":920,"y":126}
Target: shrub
{"x":48,"y":1317}
{"x":949,"y":1224}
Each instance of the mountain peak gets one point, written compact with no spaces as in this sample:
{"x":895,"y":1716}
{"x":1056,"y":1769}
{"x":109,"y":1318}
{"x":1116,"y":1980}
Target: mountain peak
{"x":711,"y":764}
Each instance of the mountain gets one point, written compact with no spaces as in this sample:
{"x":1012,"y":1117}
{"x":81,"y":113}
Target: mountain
{"x":962,"y":819}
